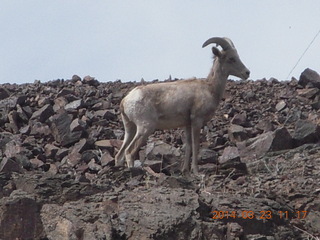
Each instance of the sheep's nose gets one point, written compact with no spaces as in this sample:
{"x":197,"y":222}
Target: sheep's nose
{"x":248,"y":73}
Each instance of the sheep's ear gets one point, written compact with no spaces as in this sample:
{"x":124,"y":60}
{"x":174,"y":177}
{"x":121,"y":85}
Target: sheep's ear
{"x":216,"y":52}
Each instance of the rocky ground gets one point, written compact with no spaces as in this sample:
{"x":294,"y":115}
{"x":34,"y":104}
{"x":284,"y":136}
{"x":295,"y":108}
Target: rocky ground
{"x":260,"y":165}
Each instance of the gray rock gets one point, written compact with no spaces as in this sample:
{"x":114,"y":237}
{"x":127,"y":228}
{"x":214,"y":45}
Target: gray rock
{"x":77,"y":125}
{"x":9,"y":165}
{"x":237,"y":133}
{"x":281,"y":105}
{"x":309,"y":77}
{"x":14,"y":121}
{"x":106,"y":159}
{"x":76,"y":78}
{"x":315,"y":105}
{"x":90,"y":81}
{"x":264,"y":126}
{"x":240,"y":119}
{"x":277,"y":140}
{"x":51,"y":150}
{"x":4,"y":93}
{"x":306,"y":132}
{"x":106,"y":114}
{"x":39,"y":129}
{"x":74,"y":105}
{"x":20,"y":217}
{"x":59,"y":103}
{"x":93,"y":166}
{"x":207,"y":155}
{"x":229,"y":154}
{"x":11,"y":102}
{"x":308,"y":92}
{"x":43,"y":113}
{"x":109,"y":144}
{"x":64,"y":222}
{"x":60,"y":127}
{"x":159,"y":149}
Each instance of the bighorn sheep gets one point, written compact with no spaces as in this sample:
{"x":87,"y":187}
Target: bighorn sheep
{"x":185,"y":103}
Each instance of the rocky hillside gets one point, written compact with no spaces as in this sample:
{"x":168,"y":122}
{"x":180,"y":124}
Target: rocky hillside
{"x":259,"y":159}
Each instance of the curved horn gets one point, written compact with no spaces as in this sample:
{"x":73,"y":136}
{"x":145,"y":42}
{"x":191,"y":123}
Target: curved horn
{"x":225,"y":43}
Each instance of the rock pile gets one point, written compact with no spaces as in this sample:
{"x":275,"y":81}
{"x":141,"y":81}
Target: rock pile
{"x":259,"y":158}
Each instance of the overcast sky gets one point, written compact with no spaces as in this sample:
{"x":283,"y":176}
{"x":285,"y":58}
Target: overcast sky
{"x":134,"y":39}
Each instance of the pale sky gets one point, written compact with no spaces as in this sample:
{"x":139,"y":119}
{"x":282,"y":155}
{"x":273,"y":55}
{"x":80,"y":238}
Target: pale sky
{"x":133,"y":39}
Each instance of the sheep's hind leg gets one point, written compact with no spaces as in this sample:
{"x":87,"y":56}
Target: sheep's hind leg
{"x":186,"y":162}
{"x":138,"y":141}
{"x":195,"y":148}
{"x":130,"y":131}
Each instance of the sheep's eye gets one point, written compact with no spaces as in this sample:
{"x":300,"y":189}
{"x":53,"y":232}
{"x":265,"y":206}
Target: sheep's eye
{"x":232,"y":60}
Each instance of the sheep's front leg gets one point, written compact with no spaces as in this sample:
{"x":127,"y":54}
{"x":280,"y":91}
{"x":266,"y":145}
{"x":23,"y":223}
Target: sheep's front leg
{"x":195,"y":147}
{"x":186,"y":163}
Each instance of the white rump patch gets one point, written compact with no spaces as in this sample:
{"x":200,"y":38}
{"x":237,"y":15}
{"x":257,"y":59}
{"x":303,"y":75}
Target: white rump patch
{"x":132,"y":102}
{"x":134,"y":96}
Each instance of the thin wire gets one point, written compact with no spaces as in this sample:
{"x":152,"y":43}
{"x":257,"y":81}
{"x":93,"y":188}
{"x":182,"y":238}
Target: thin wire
{"x":304,"y":53}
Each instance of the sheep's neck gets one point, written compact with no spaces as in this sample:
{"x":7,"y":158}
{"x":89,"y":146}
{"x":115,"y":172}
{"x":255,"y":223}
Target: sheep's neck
{"x":217,"y":81}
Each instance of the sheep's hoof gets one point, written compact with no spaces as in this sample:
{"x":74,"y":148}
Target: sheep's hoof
{"x":195,"y":171}
{"x":186,"y":173}
{"x":119,"y":164}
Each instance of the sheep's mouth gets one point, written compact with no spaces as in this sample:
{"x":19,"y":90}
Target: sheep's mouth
{"x":245,"y":75}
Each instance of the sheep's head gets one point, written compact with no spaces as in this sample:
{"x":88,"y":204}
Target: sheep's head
{"x":229,"y":59}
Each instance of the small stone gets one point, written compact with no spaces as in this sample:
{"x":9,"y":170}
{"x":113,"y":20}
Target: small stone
{"x":53,"y":170}
{"x":207,"y":155}
{"x":13,"y":148}
{"x":61,"y":153}
{"x":13,"y":119}
{"x":93,"y":166}
{"x":109,"y":143}
{"x":77,"y":125}
{"x":316,"y":105}
{"x":38,"y":129}
{"x":160,"y":149}
{"x":9,"y":165}
{"x":240,"y":119}
{"x":264,"y":126}
{"x":88,"y":155}
{"x":74,"y":158}
{"x":36,"y":163}
{"x":25,"y":130}
{"x":90,"y":81}
{"x":59,"y":103}
{"x":281,"y":105}
{"x":308,"y":92}
{"x":237,"y":133}
{"x":155,"y":165}
{"x":106,"y":114}
{"x":106,"y":159}
{"x":50,"y":150}
{"x":76,"y":78}
{"x":234,"y":231}
{"x":74,"y":105}
{"x":229,"y":154}
{"x":90,"y":176}
{"x":43,"y":101}
{"x":65,"y":92}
